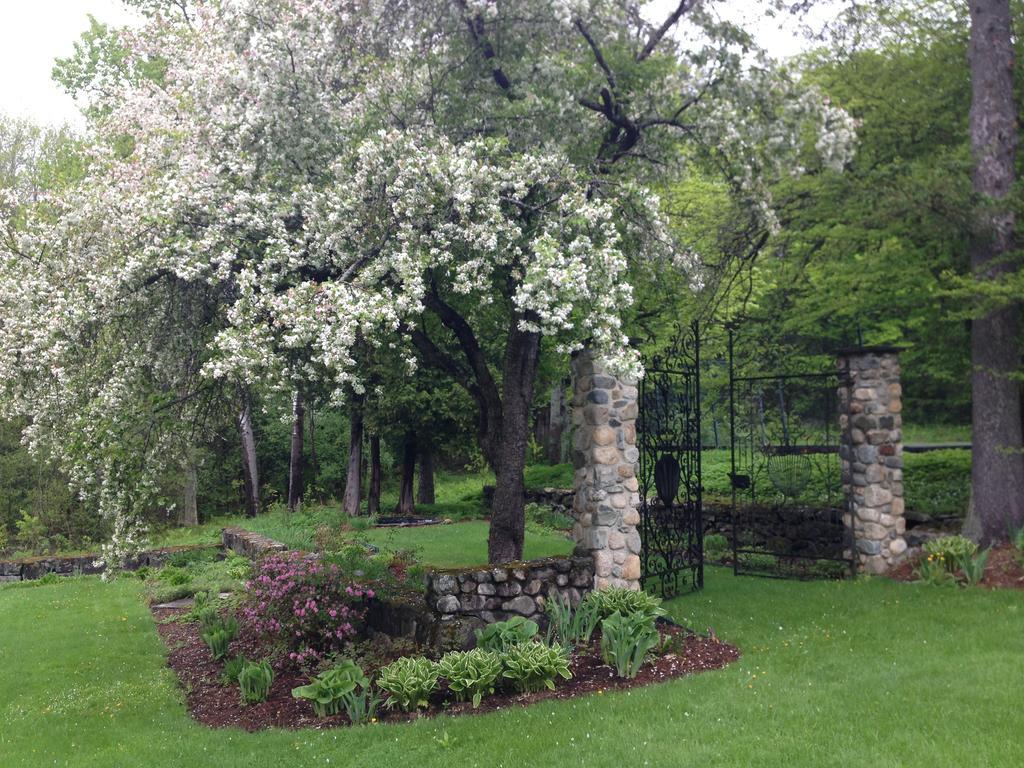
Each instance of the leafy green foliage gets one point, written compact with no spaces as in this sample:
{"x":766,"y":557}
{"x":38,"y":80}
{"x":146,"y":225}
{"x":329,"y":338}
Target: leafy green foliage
{"x":219,"y":636}
{"x":232,"y":668}
{"x":973,"y":567}
{"x":333,"y":690}
{"x":716,"y":548}
{"x":471,"y":674}
{"x":950,"y":551}
{"x":626,"y":640}
{"x":567,"y":626}
{"x":626,"y":602}
{"x":254,"y":681}
{"x":408,"y":682}
{"x":502,"y":635}
{"x":534,"y":666}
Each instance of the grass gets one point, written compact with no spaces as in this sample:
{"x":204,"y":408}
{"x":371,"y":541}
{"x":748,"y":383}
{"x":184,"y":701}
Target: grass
{"x":857,"y":673}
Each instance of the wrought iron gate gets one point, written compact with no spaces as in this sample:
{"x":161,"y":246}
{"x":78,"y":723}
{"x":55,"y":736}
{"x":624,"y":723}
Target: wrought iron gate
{"x":669,"y":441}
{"x":787,"y":496}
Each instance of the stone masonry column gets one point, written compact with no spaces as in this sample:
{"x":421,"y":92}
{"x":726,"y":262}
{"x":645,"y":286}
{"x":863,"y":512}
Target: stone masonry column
{"x":871,"y":454}
{"x":606,"y":504}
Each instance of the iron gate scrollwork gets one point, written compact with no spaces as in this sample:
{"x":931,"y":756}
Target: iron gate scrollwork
{"x":669,"y":441}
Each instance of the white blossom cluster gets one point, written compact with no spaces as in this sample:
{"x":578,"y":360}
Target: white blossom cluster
{"x":307,"y":176}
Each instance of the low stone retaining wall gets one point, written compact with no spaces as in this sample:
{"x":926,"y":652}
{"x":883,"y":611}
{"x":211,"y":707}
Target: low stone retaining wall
{"x":248,"y":543}
{"x":28,"y":568}
{"x":798,"y":531}
{"x":465,"y":600}
{"x":559,"y":499}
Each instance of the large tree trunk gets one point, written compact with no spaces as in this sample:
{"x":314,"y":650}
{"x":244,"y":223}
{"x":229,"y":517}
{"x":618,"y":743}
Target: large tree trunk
{"x":997,"y":467}
{"x":373,"y":495}
{"x":189,"y":502}
{"x":250,"y":469}
{"x":295,"y":460}
{"x":406,"y":506}
{"x":508,"y":522}
{"x":425,"y":490}
{"x":354,"y":478}
{"x":556,"y":424}
{"x":312,"y":450}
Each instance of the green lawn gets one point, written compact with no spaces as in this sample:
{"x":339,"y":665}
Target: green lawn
{"x":870,"y":673}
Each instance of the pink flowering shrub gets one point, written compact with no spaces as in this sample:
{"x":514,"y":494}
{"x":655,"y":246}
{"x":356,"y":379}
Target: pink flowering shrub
{"x":301,"y":599}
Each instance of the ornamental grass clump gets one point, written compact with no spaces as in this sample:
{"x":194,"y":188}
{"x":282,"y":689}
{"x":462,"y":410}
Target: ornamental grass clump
{"x":409,"y":681}
{"x":533,"y":666}
{"x":569,"y":627}
{"x":471,"y":674}
{"x":626,"y":641}
{"x":306,"y":602}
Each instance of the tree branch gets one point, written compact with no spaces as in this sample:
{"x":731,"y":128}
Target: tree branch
{"x":658,"y":34}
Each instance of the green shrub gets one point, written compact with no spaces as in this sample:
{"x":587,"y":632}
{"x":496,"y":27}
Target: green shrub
{"x":254,"y":681}
{"x":471,"y":674}
{"x":219,"y":636}
{"x":625,"y":641}
{"x":933,"y":572}
{"x":624,"y":601}
{"x":238,"y":567}
{"x":232,"y":667}
{"x":566,"y":626}
{"x":533,"y":666}
{"x":950,"y":551}
{"x":329,"y":691}
{"x":716,"y":548}
{"x":409,"y":682}
{"x":502,"y":635}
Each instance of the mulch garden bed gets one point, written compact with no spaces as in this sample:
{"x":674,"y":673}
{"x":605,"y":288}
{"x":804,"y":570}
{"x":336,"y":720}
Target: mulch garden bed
{"x":1003,"y":569}
{"x":217,"y":705}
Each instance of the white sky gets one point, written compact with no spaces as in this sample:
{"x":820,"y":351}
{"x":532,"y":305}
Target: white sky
{"x":35,"y":32}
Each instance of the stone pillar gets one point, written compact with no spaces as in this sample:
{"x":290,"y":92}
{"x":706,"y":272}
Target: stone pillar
{"x":871,"y":454}
{"x":606,"y":502}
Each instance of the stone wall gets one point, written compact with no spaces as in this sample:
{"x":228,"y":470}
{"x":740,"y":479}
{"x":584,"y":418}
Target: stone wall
{"x":248,"y":543}
{"x":605,"y":457}
{"x":871,"y":454}
{"x":784,"y":530}
{"x":28,"y":568}
{"x":465,"y":600}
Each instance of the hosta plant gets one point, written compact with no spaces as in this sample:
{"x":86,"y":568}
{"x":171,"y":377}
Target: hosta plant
{"x":533,"y":666}
{"x":626,"y":640}
{"x":254,"y":681}
{"x":502,"y":635}
{"x":328,"y":691}
{"x":950,"y":551}
{"x":471,"y":674}
{"x":624,"y":601}
{"x":409,"y":681}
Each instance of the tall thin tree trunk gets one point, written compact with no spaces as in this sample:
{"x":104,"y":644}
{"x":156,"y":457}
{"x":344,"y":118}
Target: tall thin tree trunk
{"x":250,"y":469}
{"x":997,"y":467}
{"x":354,"y":477}
{"x":406,"y":506}
{"x":556,"y":423}
{"x":373,"y":495}
{"x":508,"y":522}
{"x":425,"y":489}
{"x":295,"y":460}
{"x":189,"y":502}
{"x":312,"y":449}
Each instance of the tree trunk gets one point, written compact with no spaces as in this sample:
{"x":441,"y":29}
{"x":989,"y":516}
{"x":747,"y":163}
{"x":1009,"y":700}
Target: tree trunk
{"x":508,"y":523}
{"x":295,"y":460}
{"x":556,"y":424}
{"x":405,"y":501}
{"x":189,"y":504}
{"x":425,"y":490}
{"x":354,"y":478}
{"x":373,"y":496}
{"x":250,"y":469}
{"x":997,"y":467}
{"x":312,"y":450}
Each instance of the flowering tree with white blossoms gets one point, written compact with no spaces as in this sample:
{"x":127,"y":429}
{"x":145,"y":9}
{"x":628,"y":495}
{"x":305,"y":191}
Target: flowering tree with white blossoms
{"x":455,"y":181}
